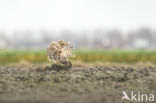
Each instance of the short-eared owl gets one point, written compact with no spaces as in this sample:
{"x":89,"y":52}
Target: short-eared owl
{"x":59,"y":51}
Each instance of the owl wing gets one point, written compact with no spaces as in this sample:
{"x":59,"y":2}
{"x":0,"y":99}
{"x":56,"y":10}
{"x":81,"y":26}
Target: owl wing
{"x":50,"y":55}
{"x":68,"y":51}
{"x":52,"y":51}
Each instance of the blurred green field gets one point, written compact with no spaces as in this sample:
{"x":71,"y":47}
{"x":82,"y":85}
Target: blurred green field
{"x":119,"y":56}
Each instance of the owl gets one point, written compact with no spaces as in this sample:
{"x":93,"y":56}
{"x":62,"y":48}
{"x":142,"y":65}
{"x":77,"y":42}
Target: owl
{"x":59,"y":52}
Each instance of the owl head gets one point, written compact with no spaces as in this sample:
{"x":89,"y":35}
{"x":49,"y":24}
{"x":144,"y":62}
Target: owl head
{"x":63,"y":43}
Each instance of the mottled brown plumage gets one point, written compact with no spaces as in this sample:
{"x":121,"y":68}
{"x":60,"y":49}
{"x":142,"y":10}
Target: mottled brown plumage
{"x":59,"y":51}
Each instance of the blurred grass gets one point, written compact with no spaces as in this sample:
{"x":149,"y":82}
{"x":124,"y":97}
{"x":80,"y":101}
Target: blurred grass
{"x":120,"y":56}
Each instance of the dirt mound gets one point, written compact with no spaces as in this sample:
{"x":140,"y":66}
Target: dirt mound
{"x":58,"y":67}
{"x":53,"y":84}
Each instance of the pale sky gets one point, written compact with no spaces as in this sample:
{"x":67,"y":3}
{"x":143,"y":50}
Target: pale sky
{"x":76,"y":14}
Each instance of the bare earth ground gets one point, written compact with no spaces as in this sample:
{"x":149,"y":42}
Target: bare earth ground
{"x":30,"y":83}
